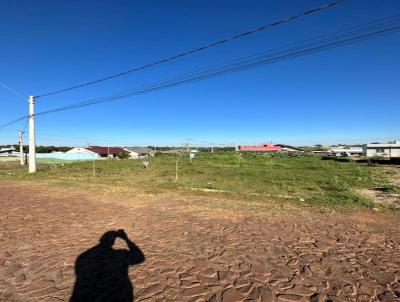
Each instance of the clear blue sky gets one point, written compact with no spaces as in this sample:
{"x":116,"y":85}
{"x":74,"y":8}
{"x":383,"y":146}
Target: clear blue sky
{"x":344,"y":95}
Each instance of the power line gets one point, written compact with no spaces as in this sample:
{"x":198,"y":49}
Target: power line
{"x":13,"y":122}
{"x":199,"y":49}
{"x":13,"y":91}
{"x":267,"y":58}
{"x":26,"y":124}
{"x":309,"y":46}
{"x":376,"y":24}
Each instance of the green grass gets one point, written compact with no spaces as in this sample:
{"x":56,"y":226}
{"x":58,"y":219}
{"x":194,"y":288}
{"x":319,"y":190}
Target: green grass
{"x":302,"y":179}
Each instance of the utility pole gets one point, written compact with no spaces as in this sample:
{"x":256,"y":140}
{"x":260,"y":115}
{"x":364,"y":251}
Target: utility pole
{"x":32,"y":140}
{"x":21,"y":148}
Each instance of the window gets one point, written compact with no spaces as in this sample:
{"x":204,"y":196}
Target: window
{"x":380,"y":150}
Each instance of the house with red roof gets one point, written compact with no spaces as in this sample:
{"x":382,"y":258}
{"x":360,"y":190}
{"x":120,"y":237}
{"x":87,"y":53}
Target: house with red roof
{"x":271,"y":147}
{"x":263,"y":147}
{"x":105,"y":151}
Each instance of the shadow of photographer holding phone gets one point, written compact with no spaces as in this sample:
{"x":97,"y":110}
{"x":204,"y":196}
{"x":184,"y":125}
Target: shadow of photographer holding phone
{"x":102,"y":271}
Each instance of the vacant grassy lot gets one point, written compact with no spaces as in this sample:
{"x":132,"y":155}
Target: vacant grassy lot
{"x":302,"y":179}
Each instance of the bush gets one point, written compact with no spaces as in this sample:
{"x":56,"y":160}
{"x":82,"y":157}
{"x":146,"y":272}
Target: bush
{"x":123,"y":155}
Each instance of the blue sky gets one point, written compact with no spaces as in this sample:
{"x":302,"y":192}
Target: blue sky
{"x":344,"y":95}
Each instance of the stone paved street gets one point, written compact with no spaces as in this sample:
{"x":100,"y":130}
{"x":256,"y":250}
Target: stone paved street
{"x":190,"y":255}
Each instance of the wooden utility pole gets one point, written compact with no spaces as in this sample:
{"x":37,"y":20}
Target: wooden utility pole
{"x":21,"y":148}
{"x":32,"y":139}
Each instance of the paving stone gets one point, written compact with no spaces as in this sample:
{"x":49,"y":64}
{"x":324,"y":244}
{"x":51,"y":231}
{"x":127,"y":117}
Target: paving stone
{"x":232,"y":295}
{"x":193,"y":254}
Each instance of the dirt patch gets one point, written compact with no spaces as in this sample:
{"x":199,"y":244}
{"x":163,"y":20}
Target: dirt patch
{"x":387,"y":195}
{"x":379,"y":196}
{"x":194,"y":256}
{"x":8,"y":159}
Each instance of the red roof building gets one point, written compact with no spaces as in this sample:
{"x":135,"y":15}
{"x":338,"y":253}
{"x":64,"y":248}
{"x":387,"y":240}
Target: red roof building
{"x":264,"y":147}
{"x":105,"y":151}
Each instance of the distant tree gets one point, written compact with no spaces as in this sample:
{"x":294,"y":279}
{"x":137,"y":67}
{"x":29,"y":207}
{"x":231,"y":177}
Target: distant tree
{"x":123,"y":155}
{"x":42,"y":149}
{"x":49,"y":149}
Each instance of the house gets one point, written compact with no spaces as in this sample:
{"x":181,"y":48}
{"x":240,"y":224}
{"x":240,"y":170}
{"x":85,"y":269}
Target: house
{"x":193,"y":153}
{"x":139,"y":152}
{"x":5,"y":152}
{"x":77,"y":153}
{"x":321,"y":152}
{"x":389,"y":150}
{"x":263,"y":148}
{"x":346,"y":151}
{"x":107,"y":152}
{"x":287,"y":148}
{"x":97,"y":151}
{"x":79,"y":150}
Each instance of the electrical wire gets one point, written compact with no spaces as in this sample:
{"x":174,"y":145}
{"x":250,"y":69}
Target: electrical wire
{"x":13,"y":122}
{"x":247,"y":63}
{"x":13,"y":91}
{"x":199,"y":49}
{"x":26,"y":124}
{"x":305,"y":47}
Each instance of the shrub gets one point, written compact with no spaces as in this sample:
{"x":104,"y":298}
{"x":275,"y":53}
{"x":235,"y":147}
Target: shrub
{"x":123,"y":155}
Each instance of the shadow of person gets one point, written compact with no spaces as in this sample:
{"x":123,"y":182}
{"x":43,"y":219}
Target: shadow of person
{"x":102,"y":271}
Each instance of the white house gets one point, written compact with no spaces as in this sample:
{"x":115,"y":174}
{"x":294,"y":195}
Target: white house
{"x":193,"y":153}
{"x":389,"y":150}
{"x":80,"y":150}
{"x":5,"y":152}
{"x":139,"y":152}
{"x":347,"y":151}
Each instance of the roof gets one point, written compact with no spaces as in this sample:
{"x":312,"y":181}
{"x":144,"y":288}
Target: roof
{"x":289,"y":147}
{"x":105,"y":150}
{"x":7,"y":149}
{"x":346,"y":149}
{"x":79,"y":150}
{"x":396,"y":145}
{"x":140,"y":150}
{"x":265,"y":147}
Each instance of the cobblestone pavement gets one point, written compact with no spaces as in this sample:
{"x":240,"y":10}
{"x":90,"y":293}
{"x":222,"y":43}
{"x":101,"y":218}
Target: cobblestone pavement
{"x":192,"y":256}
